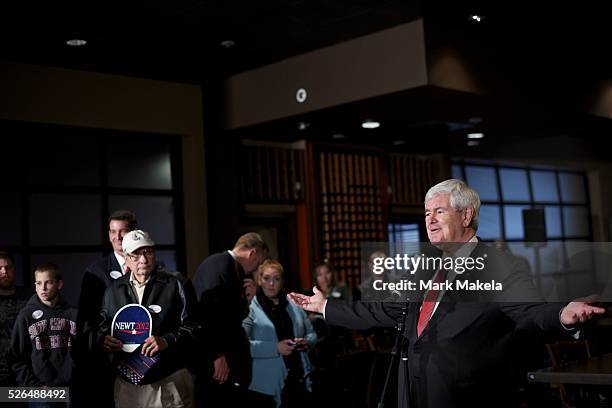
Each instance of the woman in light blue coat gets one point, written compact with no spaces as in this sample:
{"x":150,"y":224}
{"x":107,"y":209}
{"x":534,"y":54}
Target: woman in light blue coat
{"x":279,"y":334}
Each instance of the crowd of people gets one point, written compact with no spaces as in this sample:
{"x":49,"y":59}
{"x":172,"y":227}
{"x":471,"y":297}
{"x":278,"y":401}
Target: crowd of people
{"x":227,"y":336}
{"x":232,"y":336}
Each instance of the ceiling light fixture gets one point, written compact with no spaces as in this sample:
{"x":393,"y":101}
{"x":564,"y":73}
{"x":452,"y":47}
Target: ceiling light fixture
{"x":476,"y":18}
{"x":227,"y":43}
{"x":475,"y":135}
{"x":303,"y":125}
{"x":338,"y":136}
{"x":399,"y":142}
{"x":370,"y":124}
{"x":76,"y":42}
{"x":472,"y":143}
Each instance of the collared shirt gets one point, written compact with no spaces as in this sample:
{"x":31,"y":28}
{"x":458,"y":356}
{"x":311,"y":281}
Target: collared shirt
{"x":137,"y":287}
{"x":121,"y":261}
{"x":232,"y":254}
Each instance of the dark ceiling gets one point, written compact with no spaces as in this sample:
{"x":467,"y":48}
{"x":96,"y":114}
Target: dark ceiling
{"x":181,"y":40}
{"x":540,"y":65}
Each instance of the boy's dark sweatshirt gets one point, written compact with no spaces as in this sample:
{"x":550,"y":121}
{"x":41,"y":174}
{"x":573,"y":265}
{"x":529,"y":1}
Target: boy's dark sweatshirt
{"x":42,"y":344}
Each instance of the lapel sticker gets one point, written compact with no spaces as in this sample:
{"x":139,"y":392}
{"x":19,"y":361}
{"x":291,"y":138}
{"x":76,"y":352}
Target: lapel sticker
{"x":115,"y":274}
{"x":155,"y":308}
{"x":37,"y":314}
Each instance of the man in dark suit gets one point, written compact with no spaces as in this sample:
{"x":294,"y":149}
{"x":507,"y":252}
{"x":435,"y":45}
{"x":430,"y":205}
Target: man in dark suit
{"x":91,"y":363}
{"x":220,"y":286}
{"x":101,"y":273}
{"x":458,"y":353}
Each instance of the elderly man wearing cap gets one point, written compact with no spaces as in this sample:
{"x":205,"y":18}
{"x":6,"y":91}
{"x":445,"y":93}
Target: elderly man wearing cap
{"x":170,"y":299}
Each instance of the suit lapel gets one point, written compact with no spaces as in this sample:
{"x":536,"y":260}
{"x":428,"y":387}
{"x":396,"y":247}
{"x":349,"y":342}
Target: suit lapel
{"x":447,"y":303}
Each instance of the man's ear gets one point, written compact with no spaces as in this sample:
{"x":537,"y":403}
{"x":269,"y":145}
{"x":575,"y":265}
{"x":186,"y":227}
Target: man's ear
{"x":60,"y":284}
{"x":252,"y":253}
{"x":468,"y":214}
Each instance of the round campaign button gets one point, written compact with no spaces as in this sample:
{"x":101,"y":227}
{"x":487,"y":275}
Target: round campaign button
{"x":37,"y":314}
{"x":155,"y":308}
{"x":115,"y":274}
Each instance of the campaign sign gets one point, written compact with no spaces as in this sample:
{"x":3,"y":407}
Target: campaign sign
{"x":132,"y":325}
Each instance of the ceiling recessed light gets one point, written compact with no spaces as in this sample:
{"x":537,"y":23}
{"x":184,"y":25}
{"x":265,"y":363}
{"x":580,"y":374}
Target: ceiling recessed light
{"x":475,"y":135}
{"x":472,"y":143}
{"x":399,"y":142}
{"x":227,"y":43}
{"x":338,"y":136}
{"x":76,"y":42}
{"x":476,"y":18}
{"x":303,"y":125}
{"x":370,"y":124}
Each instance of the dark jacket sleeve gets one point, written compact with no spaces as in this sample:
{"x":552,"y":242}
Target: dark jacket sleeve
{"x":220,"y":308}
{"x":189,"y":328}
{"x":21,"y":354}
{"x":523,"y":303}
{"x":543,"y":317}
{"x":90,"y":299}
{"x":106,"y":318}
{"x":362,"y":315}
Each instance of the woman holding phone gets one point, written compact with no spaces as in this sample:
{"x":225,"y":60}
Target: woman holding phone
{"x":279,"y":334}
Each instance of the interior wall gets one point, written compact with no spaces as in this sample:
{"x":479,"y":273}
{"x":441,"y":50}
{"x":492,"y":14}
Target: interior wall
{"x":388,"y":61}
{"x":88,"y":99}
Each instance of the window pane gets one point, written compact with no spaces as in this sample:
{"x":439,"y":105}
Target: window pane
{"x":576,"y":221}
{"x":155,"y":215}
{"x":56,"y":163}
{"x":553,"y":221}
{"x":514,"y":184}
{"x":457,"y":172}
{"x":403,"y":232}
{"x":72,"y":266}
{"x":65,"y":219}
{"x":572,"y":188}
{"x":483,"y":180}
{"x":10,"y":219}
{"x":489,"y":222}
{"x":513,"y":221}
{"x":544,"y":186}
{"x":140,"y":164}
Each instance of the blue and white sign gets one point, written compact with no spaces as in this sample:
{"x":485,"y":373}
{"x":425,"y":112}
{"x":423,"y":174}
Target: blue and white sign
{"x":132,"y":325}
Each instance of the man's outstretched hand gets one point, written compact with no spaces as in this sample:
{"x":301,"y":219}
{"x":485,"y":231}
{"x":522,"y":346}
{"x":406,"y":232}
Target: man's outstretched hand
{"x":579,"y":312}
{"x":315,"y":303}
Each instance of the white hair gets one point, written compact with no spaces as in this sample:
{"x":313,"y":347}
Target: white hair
{"x":462,"y":196}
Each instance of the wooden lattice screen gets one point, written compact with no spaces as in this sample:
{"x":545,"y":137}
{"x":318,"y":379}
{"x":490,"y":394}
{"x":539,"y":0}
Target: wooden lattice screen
{"x":351,"y":208}
{"x":410,"y":177}
{"x":272,"y":174}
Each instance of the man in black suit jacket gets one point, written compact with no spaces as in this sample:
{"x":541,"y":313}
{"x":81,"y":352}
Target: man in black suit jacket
{"x":92,"y":370}
{"x":220,"y":286}
{"x":459,"y":353}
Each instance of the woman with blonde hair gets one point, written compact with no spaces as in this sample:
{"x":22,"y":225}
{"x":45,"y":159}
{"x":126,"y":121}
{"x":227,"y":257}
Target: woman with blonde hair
{"x":279,"y":334}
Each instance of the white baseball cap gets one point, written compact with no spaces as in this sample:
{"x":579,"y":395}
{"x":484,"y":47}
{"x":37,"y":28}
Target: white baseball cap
{"x":136,"y":239}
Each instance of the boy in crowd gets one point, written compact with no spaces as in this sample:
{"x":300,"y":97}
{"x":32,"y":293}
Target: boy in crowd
{"x":44,"y":333}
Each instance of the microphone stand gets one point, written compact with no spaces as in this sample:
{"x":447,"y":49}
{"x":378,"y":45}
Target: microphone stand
{"x":399,"y":335}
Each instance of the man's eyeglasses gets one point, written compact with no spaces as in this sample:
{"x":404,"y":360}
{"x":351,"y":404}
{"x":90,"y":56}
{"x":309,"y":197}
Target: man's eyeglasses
{"x":148,"y":253}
